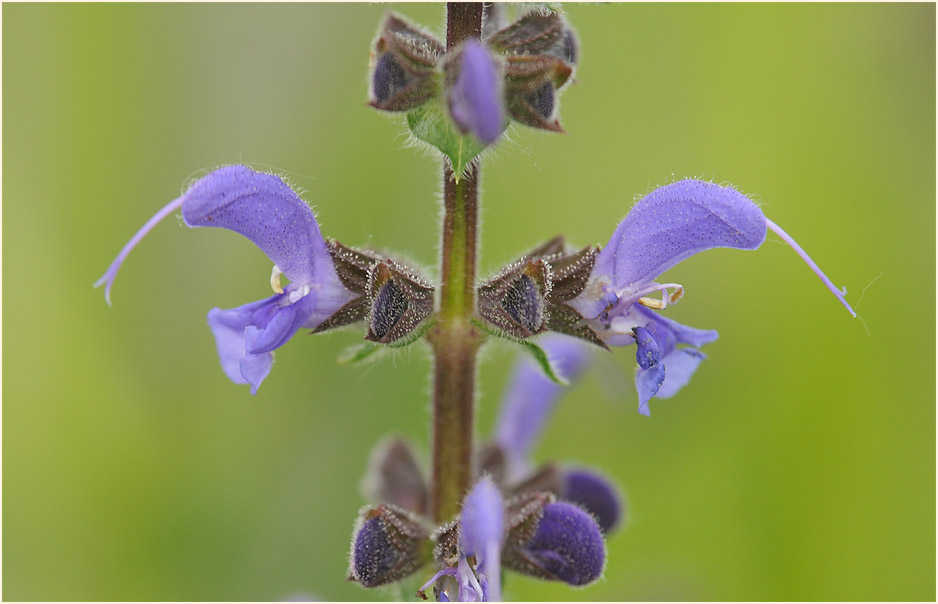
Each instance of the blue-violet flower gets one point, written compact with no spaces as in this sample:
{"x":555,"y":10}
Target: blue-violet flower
{"x":264,"y":209}
{"x":669,"y":225}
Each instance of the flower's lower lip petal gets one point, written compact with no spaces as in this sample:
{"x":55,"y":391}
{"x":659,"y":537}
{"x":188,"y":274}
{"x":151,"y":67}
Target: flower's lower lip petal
{"x":647,"y":382}
{"x":264,"y":209}
{"x":682,"y":333}
{"x":228,"y":327}
{"x":281,"y":327}
{"x":255,"y":368}
{"x":680,"y":366}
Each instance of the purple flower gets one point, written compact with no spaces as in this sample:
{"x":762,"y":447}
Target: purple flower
{"x":670,"y":224}
{"x":264,"y":209}
{"x":475,"y":98}
{"x":481,"y":534}
{"x":530,"y":399}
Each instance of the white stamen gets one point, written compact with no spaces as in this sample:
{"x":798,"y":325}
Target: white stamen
{"x":275,"y":280}
{"x":297,"y":294}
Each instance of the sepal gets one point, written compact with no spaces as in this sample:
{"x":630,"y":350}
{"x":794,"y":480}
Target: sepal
{"x":538,"y":33}
{"x":404,"y":61}
{"x":400,"y":301}
{"x":393,"y":298}
{"x":394,"y":477}
{"x":531,"y":84}
{"x":388,"y":544}
{"x":515,"y":299}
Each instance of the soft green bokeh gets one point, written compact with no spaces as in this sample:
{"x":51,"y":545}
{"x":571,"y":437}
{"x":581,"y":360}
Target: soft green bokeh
{"x":798,"y":464}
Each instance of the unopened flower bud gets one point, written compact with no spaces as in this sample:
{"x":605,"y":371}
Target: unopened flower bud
{"x":566,"y":545}
{"x":388,"y":544}
{"x":474,"y":93}
{"x":595,"y":494}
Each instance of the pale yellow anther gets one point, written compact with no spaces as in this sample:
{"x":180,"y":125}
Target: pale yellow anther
{"x":666,"y":298}
{"x":676,"y":295}
{"x":275,"y":280}
{"x":653,"y":303}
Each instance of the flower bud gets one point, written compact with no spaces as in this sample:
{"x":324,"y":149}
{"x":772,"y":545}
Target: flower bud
{"x":388,"y":544}
{"x":566,"y":545}
{"x":474,"y":93}
{"x":595,"y":494}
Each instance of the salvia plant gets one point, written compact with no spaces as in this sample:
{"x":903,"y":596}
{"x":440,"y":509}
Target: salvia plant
{"x":484,"y":508}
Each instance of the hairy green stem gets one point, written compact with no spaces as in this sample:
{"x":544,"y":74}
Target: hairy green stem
{"x":455,"y":340}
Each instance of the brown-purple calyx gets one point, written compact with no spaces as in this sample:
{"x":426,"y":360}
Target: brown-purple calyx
{"x":388,"y":544}
{"x":404,"y":63}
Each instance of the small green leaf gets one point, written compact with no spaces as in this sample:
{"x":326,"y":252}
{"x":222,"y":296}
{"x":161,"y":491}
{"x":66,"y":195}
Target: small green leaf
{"x":358,"y":353}
{"x":536,"y":352}
{"x":543,"y":362}
{"x":429,"y":124}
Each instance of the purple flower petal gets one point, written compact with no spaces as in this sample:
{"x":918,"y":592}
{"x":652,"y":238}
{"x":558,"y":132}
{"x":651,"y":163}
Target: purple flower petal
{"x":228,"y":327}
{"x":530,"y":398}
{"x":482,"y":530}
{"x":675,"y":222}
{"x":568,"y":544}
{"x":259,"y":206}
{"x":647,"y":383}
{"x":679,"y":366}
{"x":265,"y":210}
{"x":246,"y":335}
{"x":475,"y":100}
{"x":595,"y":494}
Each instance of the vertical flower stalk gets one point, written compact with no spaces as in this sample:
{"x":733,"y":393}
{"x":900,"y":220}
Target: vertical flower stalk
{"x":454,"y":339}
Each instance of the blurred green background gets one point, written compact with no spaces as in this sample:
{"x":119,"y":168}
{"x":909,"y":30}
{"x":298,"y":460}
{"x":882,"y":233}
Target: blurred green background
{"x":799,"y":464}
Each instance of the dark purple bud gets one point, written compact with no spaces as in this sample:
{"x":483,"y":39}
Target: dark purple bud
{"x":595,"y":494}
{"x":388,"y":545}
{"x":567,"y":545}
{"x":394,"y":477}
{"x":475,"y":101}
